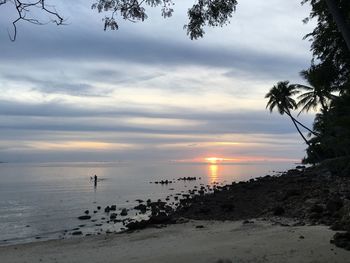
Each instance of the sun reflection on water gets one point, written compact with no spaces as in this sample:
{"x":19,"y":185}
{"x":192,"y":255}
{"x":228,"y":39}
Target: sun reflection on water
{"x":213,"y":171}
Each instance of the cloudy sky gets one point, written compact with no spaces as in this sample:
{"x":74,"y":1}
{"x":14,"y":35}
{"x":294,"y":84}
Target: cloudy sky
{"x":147,"y":92}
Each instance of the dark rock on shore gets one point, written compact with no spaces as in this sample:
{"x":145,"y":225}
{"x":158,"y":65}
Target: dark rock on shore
{"x":342,"y":240}
{"x":141,"y":207}
{"x":311,"y":195}
{"x":137,"y":225}
{"x":278,"y":211}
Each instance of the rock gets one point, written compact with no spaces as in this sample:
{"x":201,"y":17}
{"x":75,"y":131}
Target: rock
{"x":113,"y":208}
{"x":342,"y":240}
{"x":204,"y":210}
{"x":141,"y":207}
{"x":200,"y":226}
{"x":291,"y":192}
{"x":86,"y":212}
{"x":99,"y":208}
{"x":137,"y":225}
{"x":107,"y":209}
{"x":316,"y":209}
{"x":76,"y":233}
{"x":160,"y":218}
{"x":278,"y":211}
{"x":85,"y":217}
{"x":227,"y":207}
{"x":187,"y":178}
{"x":124,"y":212}
{"x":333,"y":205}
{"x":113,"y":216}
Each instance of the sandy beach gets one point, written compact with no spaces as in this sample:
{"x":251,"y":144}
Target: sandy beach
{"x":194,"y":241}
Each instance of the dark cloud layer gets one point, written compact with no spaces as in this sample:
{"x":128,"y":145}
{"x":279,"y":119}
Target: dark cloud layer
{"x":26,"y":116}
{"x":148,"y":51}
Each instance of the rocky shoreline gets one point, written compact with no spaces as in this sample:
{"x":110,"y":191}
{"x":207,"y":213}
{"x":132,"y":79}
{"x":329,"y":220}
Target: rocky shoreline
{"x":298,"y":197}
{"x":308,"y":196}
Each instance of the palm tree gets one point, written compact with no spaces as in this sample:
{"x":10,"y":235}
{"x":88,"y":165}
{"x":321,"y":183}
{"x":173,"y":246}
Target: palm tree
{"x":280,"y":97}
{"x":319,"y":91}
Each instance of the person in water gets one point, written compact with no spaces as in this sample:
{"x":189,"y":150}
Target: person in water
{"x":95,"y":179}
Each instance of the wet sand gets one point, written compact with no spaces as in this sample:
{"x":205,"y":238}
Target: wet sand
{"x":213,"y":241}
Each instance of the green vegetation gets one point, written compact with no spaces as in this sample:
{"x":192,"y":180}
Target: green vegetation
{"x":328,"y":90}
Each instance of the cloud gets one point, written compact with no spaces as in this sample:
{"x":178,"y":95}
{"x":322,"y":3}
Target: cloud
{"x":148,"y":85}
{"x":64,"y":117}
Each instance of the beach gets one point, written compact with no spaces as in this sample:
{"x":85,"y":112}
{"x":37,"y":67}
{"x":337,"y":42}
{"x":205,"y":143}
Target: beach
{"x":194,"y":241}
{"x":301,"y":215}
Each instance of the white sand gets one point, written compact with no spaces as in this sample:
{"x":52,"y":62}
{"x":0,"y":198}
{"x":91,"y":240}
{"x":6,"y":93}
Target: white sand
{"x":258,"y":242}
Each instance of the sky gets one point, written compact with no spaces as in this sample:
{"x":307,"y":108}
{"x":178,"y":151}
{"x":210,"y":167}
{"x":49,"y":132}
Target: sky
{"x":147,"y":92}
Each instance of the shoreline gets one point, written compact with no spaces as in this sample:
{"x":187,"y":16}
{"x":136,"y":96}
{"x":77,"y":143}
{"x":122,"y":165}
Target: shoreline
{"x":307,"y":201}
{"x":194,"y":241}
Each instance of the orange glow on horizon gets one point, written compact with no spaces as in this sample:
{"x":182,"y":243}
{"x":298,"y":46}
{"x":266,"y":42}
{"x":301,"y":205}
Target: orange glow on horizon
{"x":241,"y":159}
{"x":214,"y":159}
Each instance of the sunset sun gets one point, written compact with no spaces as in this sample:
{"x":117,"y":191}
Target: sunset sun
{"x":214,"y":159}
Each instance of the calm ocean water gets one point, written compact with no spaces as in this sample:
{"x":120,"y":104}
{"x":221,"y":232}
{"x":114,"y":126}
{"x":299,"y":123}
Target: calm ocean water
{"x":41,"y":201}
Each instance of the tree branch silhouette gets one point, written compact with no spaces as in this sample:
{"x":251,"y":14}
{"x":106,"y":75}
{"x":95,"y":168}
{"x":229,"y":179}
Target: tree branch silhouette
{"x":23,"y":10}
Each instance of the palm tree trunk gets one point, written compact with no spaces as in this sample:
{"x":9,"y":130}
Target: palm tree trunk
{"x":301,"y":134}
{"x":302,"y":125}
{"x":338,"y":18}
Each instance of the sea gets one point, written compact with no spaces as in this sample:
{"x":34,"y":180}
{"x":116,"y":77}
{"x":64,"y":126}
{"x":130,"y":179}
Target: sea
{"x":42,"y":201}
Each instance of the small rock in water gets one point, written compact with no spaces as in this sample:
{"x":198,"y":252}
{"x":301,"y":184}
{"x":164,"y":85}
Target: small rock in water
{"x":76,"y":233}
{"x":86,"y":212}
{"x":86,"y":217}
{"x":113,"y":216}
{"x":113,"y":208}
{"x":124,"y":212}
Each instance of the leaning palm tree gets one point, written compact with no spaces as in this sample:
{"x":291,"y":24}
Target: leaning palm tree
{"x":318,"y":93}
{"x":280,"y":97}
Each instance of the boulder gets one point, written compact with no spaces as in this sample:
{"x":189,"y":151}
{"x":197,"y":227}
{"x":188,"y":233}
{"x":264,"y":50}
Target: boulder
{"x":342,"y":240}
